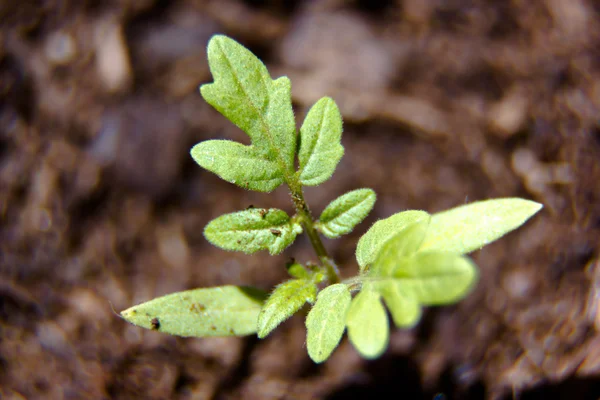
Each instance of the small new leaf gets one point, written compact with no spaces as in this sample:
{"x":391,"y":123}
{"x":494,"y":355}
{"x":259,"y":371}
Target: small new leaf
{"x":297,"y":270}
{"x":252,"y":230}
{"x":344,"y":213}
{"x":469,"y":227}
{"x":238,"y":164}
{"x":326,"y":321}
{"x":217,"y":311}
{"x":367,"y":322}
{"x":320,"y":147}
{"x":285,"y":301}
{"x":244,"y":93}
{"x":371,"y":242}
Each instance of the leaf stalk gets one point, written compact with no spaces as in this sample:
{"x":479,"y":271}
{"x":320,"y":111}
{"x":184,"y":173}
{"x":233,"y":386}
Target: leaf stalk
{"x":305,"y":217}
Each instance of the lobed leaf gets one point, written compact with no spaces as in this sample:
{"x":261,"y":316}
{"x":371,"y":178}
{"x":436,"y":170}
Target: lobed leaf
{"x":371,"y":242}
{"x":252,"y":230}
{"x":244,"y":93}
{"x":344,"y":213}
{"x":469,"y":227}
{"x":217,"y":311}
{"x":326,"y":321}
{"x":320,"y":147}
{"x":367,"y":322}
{"x":285,"y":301}
{"x":241,"y":165}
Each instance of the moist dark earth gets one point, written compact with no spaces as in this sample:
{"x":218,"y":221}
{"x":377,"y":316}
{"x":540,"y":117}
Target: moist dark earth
{"x":444,"y":103}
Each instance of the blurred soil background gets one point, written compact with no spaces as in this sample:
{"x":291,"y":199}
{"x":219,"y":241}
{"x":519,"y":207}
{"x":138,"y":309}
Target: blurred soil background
{"x":444,"y":102}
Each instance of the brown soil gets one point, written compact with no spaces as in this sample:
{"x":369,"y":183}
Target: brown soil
{"x":444,"y":102}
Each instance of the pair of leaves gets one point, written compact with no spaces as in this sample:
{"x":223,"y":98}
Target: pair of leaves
{"x":415,"y":260}
{"x":334,"y":310}
{"x":459,"y":230}
{"x":244,"y":93}
{"x":261,"y":229}
{"x":252,"y":230}
{"x":411,"y":267}
{"x":217,"y":311}
{"x":408,"y":277}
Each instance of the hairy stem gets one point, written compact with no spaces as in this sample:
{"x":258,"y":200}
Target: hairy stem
{"x":315,"y":240}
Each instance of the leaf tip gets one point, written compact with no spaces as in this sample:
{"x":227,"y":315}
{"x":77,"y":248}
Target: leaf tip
{"x":262,"y":331}
{"x":217,"y":40}
{"x":535,"y":207}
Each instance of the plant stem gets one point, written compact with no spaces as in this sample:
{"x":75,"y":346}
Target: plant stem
{"x":315,"y":240}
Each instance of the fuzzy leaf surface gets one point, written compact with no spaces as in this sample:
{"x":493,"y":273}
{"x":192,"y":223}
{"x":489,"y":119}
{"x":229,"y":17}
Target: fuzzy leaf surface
{"x":252,"y":230}
{"x":469,"y":227}
{"x":404,"y":244}
{"x":432,"y":278}
{"x":406,"y":311}
{"x":344,"y":213}
{"x":244,"y":93}
{"x":367,"y":322}
{"x":236,"y":163}
{"x":320,"y":147}
{"x":217,"y":311}
{"x":326,"y":321}
{"x":285,"y":301}
{"x":371,"y":242}
{"x":297,"y":270}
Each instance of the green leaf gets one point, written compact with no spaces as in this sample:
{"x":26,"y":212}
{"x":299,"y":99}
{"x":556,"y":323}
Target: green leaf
{"x":405,"y":310}
{"x":320,"y":147}
{"x":344,"y":213}
{"x":217,"y":311}
{"x":371,"y":242}
{"x":469,"y":227}
{"x":434,"y":278}
{"x":244,"y":92}
{"x":367,"y":322}
{"x":326,"y":321}
{"x":241,"y":165}
{"x":297,"y":270}
{"x":285,"y":301}
{"x":252,"y":230}
{"x":403,"y":244}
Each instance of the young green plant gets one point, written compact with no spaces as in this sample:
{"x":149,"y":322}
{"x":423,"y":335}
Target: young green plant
{"x":407,"y":261}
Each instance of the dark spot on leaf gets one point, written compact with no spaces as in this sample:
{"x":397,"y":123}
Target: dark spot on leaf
{"x":231,"y":332}
{"x":155,"y":324}
{"x":197,"y":307}
{"x":214,"y":328}
{"x":275,"y":232}
{"x":263,"y":212}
